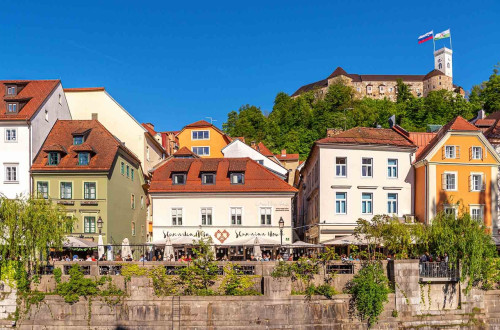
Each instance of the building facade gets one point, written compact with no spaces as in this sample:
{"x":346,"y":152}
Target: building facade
{"x":82,"y":167}
{"x":355,"y":174}
{"x":225,"y":198}
{"x":204,"y":139}
{"x":457,"y":173}
{"x":28,"y":111}
{"x":385,"y":86}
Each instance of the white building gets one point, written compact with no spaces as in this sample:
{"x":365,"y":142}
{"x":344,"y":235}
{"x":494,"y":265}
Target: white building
{"x":355,"y":174}
{"x":239,"y":149}
{"x":226,"y":198}
{"x":28,"y":111}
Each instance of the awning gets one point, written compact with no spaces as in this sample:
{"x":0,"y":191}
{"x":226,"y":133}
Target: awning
{"x":75,"y":242}
{"x":253,"y":240}
{"x":301,"y":244}
{"x":347,"y":240}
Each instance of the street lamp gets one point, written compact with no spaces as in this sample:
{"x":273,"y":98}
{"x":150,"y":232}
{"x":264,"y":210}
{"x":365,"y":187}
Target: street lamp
{"x":99,"y":224}
{"x":282,"y":225}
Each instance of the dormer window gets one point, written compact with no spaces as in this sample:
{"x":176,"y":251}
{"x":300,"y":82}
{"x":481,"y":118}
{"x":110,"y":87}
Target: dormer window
{"x":83,"y":158}
{"x":237,"y":178}
{"x":54,"y":158}
{"x":12,"y":107}
{"x":208,"y":178}
{"x":11,"y":90}
{"x":179,"y":178}
{"x":78,"y":139}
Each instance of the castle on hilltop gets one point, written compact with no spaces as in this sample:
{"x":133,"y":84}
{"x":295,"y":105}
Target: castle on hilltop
{"x":384,"y":86}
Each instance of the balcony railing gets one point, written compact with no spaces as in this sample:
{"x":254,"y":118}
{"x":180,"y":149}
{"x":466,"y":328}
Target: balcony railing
{"x":439,"y":270}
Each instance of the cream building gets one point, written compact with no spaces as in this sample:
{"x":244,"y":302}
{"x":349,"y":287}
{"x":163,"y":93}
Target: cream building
{"x":355,"y":174}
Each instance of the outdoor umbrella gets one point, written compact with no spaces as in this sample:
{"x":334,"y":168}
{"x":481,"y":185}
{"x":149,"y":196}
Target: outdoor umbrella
{"x":169,"y":250}
{"x":100,"y":247}
{"x":126,"y":250}
{"x":75,"y":242}
{"x":256,"y":249}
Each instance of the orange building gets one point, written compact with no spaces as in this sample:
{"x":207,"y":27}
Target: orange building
{"x":456,"y":172}
{"x":204,"y":139}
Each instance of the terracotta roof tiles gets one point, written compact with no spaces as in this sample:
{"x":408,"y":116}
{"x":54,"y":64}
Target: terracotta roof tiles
{"x":85,"y":89}
{"x":369,"y":136}
{"x":199,"y":123}
{"x":184,"y":151}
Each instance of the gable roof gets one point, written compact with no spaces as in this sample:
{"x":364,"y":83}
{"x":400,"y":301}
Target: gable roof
{"x":421,"y":140}
{"x":183,"y":152}
{"x":200,"y":123}
{"x":205,"y":124}
{"x":257,"y":177}
{"x":148,"y":128}
{"x":457,"y":124}
{"x":99,"y":141}
{"x":261,"y":147}
{"x":493,"y":132}
{"x":368,"y":136}
{"x":34,"y":93}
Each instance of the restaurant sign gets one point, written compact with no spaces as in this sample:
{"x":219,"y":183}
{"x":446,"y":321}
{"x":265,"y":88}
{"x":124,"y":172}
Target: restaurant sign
{"x":222,"y":235}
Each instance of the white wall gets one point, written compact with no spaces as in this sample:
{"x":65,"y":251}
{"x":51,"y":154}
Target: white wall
{"x":238,"y":149}
{"x":221,"y":203}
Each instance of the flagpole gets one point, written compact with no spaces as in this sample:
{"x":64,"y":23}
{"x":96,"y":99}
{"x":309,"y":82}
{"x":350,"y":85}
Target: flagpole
{"x":451,"y":47}
{"x":434,"y":41}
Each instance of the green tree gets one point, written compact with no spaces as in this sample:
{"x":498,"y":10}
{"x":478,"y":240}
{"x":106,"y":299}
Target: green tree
{"x":403,"y":91}
{"x":491,"y":92}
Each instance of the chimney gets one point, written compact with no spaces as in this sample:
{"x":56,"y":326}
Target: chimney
{"x":150,"y":126}
{"x":252,"y":144}
{"x":283,"y":152}
{"x":330,"y":132}
{"x":94,"y":116}
{"x":392,"y":121}
{"x":481,"y":114}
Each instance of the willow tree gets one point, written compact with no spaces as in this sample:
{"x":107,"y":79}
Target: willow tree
{"x":28,"y":228}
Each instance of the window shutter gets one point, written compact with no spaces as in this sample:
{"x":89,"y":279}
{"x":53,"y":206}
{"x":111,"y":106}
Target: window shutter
{"x":470,"y":183}
{"x":443,"y":181}
{"x":470,"y":153}
{"x":457,"y":155}
{"x":443,"y":152}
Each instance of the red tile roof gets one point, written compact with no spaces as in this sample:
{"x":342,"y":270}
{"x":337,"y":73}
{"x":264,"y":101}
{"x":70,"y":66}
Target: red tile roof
{"x":257,"y":177}
{"x":261,"y":147}
{"x":368,"y":136}
{"x":457,"y":124}
{"x":485,"y":122}
{"x":288,"y":157}
{"x":421,"y":140}
{"x":34,"y":93}
{"x":149,"y":129}
{"x":85,"y":89}
{"x":493,"y":132}
{"x":199,"y":123}
{"x":104,"y":145}
{"x":184,"y":151}
{"x":494,"y":115}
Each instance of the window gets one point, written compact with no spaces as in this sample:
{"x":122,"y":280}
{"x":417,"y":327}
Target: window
{"x":89,"y":225}
{"x":132,"y":201}
{"x":476,"y":212}
{"x":476,"y":182}
{"x":11,"y":90}
{"x":341,"y":167}
{"x":260,"y":161}
{"x":440,"y":66}
{"x":450,"y":152}
{"x":206,"y":216}
{"x":208,"y":178}
{"x":392,"y":203}
{"x":66,"y":190}
{"x":477,"y":153}
{"x":369,"y":89}
{"x":83,"y":158}
{"x":237,"y":178}
{"x":42,"y":189}
{"x":128,"y":171}
{"x":147,"y":153}
{"x":54,"y":158}
{"x":12,"y":108}
{"x":176,"y":217}
{"x":46,"y":115}
{"x":178,"y":178}
{"x":367,"y":167}
{"x":142,"y":202}
{"x":10,"y":135}
{"x":381,"y":89}
{"x":201,"y":151}
{"x":366,"y":203}
{"x":341,"y":203}
{"x":265,"y":215}
{"x":200,"y":135}
{"x":133,"y":228}
{"x":450,"y":181}
{"x":11,"y":173}
{"x":450,"y":210}
{"x":236,"y":215}
{"x":89,"y":190}
{"x":132,"y":174}
{"x":123,"y":168}
{"x":390,"y":89}
{"x":392,"y":168}
{"x":77,"y":140}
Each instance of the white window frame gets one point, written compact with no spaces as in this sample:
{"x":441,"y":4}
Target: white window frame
{"x":340,"y":201}
{"x":390,"y":169}
{"x":234,"y":174}
{"x":202,"y":148}
{"x":60,"y":190}
{"x":474,"y":148}
{"x":204,"y":212}
{"x":179,"y":174}
{"x":390,"y":204}
{"x":90,"y":195}
{"x":449,"y":155}
{"x":235,"y":208}
{"x":44,"y":194}
{"x":202,"y":134}
{"x":266,"y":211}
{"x":341,"y":167}
{"x":367,"y":201}
{"x":368,"y":166}
{"x":477,"y":207}
{"x":481,"y":184}
{"x":369,"y":90}
{"x":10,"y":175}
{"x":451,"y":207}
{"x":177,"y":209}
{"x":445,"y":183}
{"x":11,"y":88}
{"x":204,"y":175}
{"x":12,"y":108}
{"x":8,"y":135}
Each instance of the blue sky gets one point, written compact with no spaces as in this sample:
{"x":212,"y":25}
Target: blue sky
{"x":173,"y":63}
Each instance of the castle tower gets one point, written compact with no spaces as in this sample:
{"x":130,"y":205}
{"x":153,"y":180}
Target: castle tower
{"x":443,"y":61}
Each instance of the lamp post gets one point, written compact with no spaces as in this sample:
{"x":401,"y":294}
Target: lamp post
{"x":99,"y":224}
{"x":282,"y":225}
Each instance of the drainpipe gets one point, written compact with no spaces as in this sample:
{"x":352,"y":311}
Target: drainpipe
{"x":30,"y":159}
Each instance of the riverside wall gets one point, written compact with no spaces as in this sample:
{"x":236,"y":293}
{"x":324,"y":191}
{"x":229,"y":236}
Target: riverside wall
{"x":413,"y":305}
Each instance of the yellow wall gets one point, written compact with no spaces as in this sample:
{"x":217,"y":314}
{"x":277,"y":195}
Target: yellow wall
{"x":216,"y":141}
{"x":465,"y":142}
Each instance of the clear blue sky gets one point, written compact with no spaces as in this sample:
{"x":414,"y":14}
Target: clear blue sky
{"x":172,"y":63}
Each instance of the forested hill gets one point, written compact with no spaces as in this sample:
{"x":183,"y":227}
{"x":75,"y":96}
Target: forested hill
{"x":294,"y":124}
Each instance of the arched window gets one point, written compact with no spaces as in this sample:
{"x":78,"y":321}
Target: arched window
{"x":448,"y":65}
{"x":440,"y":65}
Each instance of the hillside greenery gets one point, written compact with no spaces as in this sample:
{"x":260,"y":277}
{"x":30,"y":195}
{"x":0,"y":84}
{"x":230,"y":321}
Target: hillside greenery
{"x":295,"y":123}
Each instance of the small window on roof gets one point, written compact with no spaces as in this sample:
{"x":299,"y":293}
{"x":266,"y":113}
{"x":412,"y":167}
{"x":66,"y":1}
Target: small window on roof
{"x":208,"y":178}
{"x":54,"y":158}
{"x":83,"y":158}
{"x":11,"y":90}
{"x":78,"y":139}
{"x":179,"y":178}
{"x":237,"y":178}
{"x":12,"y":107}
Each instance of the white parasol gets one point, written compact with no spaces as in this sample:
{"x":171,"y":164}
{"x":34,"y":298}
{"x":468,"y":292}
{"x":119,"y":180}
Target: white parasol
{"x":256,"y":249}
{"x":126,"y":250}
{"x":169,"y":250}
{"x":100,"y":247}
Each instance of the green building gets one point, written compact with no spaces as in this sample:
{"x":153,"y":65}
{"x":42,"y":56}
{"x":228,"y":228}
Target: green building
{"x":84,"y":168}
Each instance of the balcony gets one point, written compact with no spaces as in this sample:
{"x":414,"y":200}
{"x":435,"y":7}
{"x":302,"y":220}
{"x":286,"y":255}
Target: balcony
{"x":439,"y":271}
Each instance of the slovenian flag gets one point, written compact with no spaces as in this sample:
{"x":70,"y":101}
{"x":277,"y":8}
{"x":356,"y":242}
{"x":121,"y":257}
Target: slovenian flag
{"x":426,"y":37}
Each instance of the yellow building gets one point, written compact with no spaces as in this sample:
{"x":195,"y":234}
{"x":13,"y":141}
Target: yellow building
{"x":456,"y":172}
{"x":203,"y":139}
